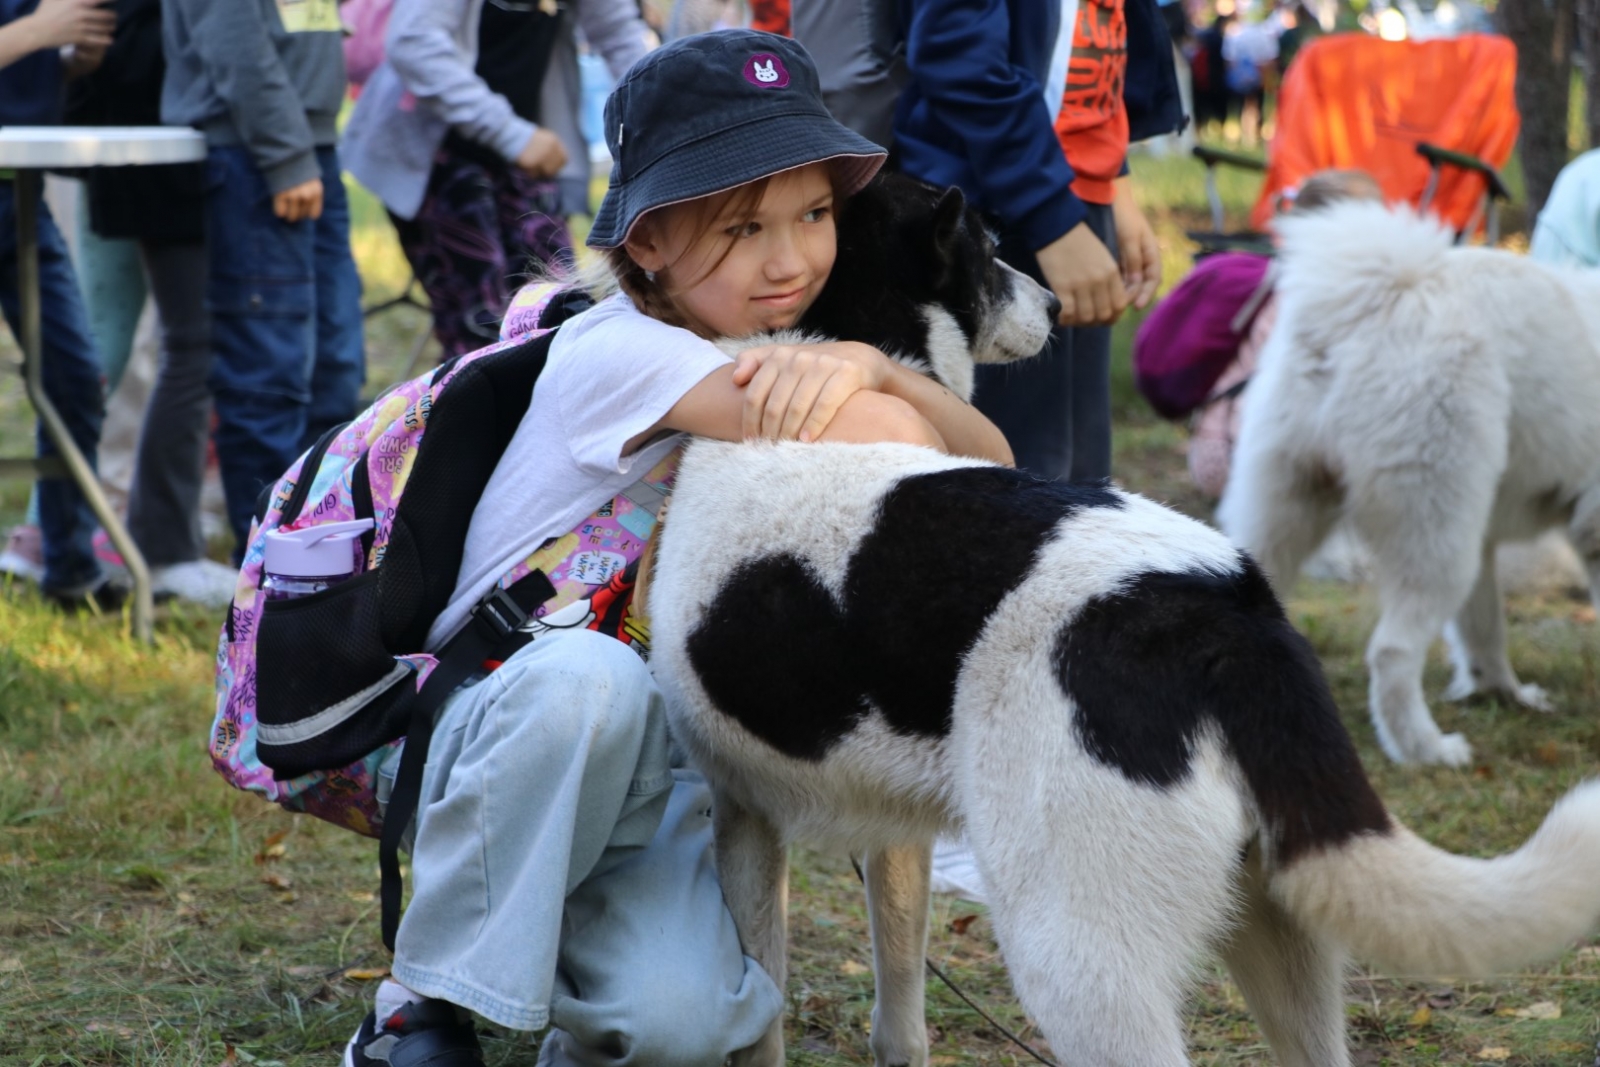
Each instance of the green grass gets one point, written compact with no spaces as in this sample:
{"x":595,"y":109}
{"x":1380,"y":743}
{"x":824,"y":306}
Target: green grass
{"x":151,"y":916}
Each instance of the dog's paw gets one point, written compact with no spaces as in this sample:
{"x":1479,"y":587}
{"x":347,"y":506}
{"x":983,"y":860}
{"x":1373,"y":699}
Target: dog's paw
{"x":1448,"y":750}
{"x":1461,"y":687}
{"x":1454,"y":750}
{"x":1533,"y":696}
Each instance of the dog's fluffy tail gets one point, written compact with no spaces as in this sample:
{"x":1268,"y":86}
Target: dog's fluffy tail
{"x":1399,"y":903}
{"x":1347,"y":262}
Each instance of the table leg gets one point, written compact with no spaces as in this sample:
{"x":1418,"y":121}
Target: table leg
{"x":28,"y":185}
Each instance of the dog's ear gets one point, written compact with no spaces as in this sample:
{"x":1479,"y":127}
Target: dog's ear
{"x":948,"y":215}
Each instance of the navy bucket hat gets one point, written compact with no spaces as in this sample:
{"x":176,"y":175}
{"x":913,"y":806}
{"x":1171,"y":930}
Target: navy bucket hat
{"x":710,"y":112}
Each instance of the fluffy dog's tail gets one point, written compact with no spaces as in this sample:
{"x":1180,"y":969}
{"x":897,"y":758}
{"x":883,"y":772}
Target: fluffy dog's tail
{"x":1397,"y":902}
{"x":1353,"y":260}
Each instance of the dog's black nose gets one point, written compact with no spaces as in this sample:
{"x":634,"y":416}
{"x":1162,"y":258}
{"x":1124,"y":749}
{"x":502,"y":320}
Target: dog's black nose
{"x":1053,"y":309}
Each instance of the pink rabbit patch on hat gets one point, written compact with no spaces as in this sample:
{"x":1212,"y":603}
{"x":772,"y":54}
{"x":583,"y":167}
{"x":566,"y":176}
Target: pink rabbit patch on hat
{"x":766,"y":70}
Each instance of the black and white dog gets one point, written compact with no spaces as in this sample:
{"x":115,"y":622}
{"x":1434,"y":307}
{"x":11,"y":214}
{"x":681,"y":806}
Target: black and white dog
{"x":864,"y":645}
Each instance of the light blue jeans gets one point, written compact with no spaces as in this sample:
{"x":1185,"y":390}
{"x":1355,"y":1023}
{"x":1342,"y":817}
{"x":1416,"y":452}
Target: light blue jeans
{"x":562,"y":870}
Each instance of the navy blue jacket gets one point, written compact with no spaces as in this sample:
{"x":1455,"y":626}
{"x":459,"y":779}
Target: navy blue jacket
{"x":32,"y":88}
{"x":974,"y":114}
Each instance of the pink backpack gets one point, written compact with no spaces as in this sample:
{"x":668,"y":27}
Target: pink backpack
{"x":367,"y":22}
{"x":315,"y":694}
{"x":1188,"y":340}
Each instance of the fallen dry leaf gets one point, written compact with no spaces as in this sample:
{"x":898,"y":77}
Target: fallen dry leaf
{"x":277,"y":881}
{"x":1421,"y":1017}
{"x":1583,"y":613}
{"x":959,"y":924}
{"x":272,"y":847}
{"x":9,"y":964}
{"x":365,"y":974}
{"x":1544,"y":1010}
{"x":1548,"y":753}
{"x":1494,"y":1054}
{"x":852,"y":967}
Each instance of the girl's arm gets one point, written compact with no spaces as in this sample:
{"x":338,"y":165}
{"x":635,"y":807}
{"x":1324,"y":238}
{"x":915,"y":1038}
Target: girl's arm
{"x":965,"y":429}
{"x":840,"y":391}
{"x":423,"y":46}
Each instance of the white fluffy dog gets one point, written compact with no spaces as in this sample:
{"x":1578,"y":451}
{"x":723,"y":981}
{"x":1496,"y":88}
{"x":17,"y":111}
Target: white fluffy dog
{"x":1440,"y":400}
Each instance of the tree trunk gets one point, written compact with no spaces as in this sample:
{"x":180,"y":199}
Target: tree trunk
{"x":1543,"y":32}
{"x":1589,"y":45}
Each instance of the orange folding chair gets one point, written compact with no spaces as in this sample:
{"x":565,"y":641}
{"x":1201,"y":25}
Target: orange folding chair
{"x":1432,"y":121}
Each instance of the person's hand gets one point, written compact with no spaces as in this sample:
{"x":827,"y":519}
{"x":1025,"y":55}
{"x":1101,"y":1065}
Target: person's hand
{"x":82,"y":23}
{"x":543,"y":156}
{"x":792,"y":392}
{"x":1137,"y":246}
{"x":81,"y":60}
{"x":303,"y":201}
{"x":1085,"y":278}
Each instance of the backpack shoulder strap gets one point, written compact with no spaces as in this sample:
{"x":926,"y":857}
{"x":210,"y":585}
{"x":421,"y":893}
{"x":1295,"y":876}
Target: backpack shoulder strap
{"x":494,"y":625}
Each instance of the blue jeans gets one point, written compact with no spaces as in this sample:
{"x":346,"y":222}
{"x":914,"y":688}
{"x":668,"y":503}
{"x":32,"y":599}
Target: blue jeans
{"x":285,"y":303}
{"x":563,"y":874}
{"x":71,"y":373}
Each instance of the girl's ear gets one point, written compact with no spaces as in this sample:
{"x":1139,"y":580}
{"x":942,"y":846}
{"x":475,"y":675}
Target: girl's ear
{"x":644,"y":247}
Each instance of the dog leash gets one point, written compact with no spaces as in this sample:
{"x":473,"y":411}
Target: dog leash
{"x":969,"y":1002}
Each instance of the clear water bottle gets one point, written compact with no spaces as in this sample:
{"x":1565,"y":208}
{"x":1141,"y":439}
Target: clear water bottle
{"x":301,"y":562}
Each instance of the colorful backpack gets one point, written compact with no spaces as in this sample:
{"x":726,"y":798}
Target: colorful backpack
{"x":1189,"y":338}
{"x":315,"y":695}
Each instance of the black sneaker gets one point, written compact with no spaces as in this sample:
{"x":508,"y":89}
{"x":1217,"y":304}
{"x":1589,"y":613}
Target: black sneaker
{"x":423,"y":1033}
{"x":101,"y":596}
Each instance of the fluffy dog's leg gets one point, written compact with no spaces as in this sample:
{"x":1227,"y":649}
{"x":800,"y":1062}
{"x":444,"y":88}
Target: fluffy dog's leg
{"x":1277,"y":512}
{"x":1477,"y":640}
{"x":1425,"y":529}
{"x":1292,"y":980}
{"x":1395,"y":658}
{"x":897,"y":901}
{"x":753,"y":865}
{"x":1584,"y":533}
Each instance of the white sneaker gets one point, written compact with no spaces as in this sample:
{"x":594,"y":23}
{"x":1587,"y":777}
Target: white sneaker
{"x":203,"y":581}
{"x":23,"y":556}
{"x":955,"y":870}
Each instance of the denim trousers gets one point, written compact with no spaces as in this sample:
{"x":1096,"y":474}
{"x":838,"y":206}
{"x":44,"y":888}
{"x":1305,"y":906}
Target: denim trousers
{"x":71,"y":373}
{"x":562,"y":869}
{"x":285,"y":304}
{"x":1055,"y":409}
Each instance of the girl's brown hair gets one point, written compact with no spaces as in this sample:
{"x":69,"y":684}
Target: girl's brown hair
{"x":699,"y":216}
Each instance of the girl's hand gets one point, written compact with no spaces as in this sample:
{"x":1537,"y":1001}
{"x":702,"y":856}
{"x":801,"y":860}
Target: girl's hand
{"x":792,"y":392}
{"x":1136,"y":243}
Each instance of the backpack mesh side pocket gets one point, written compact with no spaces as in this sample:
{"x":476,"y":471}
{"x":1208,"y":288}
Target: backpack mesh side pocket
{"x":320,"y":660}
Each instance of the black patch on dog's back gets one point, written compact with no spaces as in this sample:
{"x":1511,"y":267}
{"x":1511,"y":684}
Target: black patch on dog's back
{"x":1149,"y":666}
{"x":774,"y":650}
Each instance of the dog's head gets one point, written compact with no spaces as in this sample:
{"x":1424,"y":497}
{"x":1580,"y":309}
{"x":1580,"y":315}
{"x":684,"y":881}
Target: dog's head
{"x":916,"y":276}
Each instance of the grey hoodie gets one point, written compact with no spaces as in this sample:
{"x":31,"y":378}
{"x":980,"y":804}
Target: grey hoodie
{"x":235,"y":73}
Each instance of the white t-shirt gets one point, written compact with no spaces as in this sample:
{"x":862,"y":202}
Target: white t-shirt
{"x":612,"y":373}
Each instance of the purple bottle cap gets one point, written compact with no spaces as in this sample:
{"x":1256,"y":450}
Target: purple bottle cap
{"x":314,"y":552}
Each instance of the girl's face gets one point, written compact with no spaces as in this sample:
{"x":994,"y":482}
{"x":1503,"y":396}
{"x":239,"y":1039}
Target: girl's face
{"x":747,"y":271}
